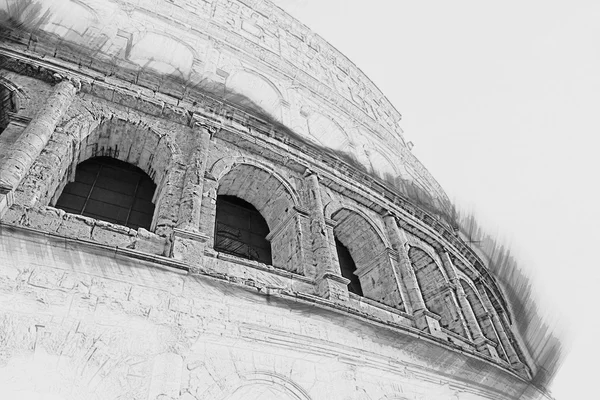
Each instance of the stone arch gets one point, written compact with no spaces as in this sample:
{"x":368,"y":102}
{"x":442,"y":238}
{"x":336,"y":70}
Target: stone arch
{"x":333,"y":207}
{"x":482,"y":315}
{"x":267,"y":386}
{"x":369,"y":249}
{"x":436,"y":291}
{"x":13,"y":101}
{"x":239,"y":386}
{"x":6,"y":106}
{"x":14,"y":98}
{"x":81,"y":138}
{"x":421,"y":244}
{"x":251,"y":89}
{"x":381,"y":162}
{"x":69,"y":19}
{"x":162,"y":53}
{"x":245,"y":168}
{"x":150,"y":149}
{"x":276,"y":201}
{"x":261,"y":188}
{"x":327,"y":132}
{"x":394,"y":397}
{"x":136,"y":143}
{"x":110,"y":190}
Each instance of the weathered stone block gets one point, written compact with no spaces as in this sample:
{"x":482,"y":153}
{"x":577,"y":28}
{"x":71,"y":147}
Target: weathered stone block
{"x":148,"y":242}
{"x":76,"y":226}
{"x":112,"y":235}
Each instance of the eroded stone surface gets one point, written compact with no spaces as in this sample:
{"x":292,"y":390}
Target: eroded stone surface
{"x":94,"y":310}
{"x":115,"y":326}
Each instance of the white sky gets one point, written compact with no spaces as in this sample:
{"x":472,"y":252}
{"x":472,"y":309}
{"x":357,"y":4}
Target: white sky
{"x":500,"y":100}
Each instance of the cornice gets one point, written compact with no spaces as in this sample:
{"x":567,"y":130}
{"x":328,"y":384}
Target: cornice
{"x":333,"y":171}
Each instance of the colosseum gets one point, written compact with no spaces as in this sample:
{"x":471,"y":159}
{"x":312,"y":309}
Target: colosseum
{"x":202,"y":199}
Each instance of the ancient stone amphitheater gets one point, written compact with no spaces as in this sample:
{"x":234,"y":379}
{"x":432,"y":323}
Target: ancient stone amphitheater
{"x":202,"y":199}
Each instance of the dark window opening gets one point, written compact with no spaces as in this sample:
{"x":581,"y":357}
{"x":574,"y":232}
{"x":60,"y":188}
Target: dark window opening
{"x":110,"y":190}
{"x":241,"y":231}
{"x":5,"y":106}
{"x":348,"y":268}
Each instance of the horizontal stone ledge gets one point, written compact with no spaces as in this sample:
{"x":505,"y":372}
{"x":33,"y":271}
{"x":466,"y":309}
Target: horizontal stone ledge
{"x":158,"y":261}
{"x":257,"y":265}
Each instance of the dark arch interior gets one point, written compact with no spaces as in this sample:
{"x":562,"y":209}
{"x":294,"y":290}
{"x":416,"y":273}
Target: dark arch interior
{"x":110,"y":190}
{"x":240,"y":230}
{"x":348,"y":268}
{"x":5,"y":107}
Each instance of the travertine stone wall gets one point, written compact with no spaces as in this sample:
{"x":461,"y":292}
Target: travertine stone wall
{"x":116,"y":325}
{"x":32,"y":141}
{"x":263,"y":60}
{"x":193,"y":163}
{"x":226,"y":97}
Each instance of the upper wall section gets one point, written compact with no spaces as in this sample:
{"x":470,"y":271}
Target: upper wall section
{"x":247,"y":52}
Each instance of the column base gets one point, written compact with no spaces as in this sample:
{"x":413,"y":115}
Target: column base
{"x":487,"y":347}
{"x":522,"y":370}
{"x":333,"y":287}
{"x":189,"y":247}
{"x":6,"y":200}
{"x":429,"y":322}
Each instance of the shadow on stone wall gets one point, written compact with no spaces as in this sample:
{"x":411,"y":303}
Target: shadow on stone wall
{"x":542,"y":341}
{"x":21,"y":26}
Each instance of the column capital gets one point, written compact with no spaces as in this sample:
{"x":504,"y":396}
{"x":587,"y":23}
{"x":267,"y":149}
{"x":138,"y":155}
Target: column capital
{"x":73,"y":80}
{"x":205,"y":124}
{"x":309,"y":172}
{"x":388,"y":214}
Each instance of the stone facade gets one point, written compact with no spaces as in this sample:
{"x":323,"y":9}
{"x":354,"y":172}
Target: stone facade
{"x":226,"y":98}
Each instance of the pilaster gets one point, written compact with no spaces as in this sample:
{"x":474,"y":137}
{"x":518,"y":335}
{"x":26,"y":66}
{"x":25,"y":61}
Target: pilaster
{"x":330,"y":283}
{"x":34,"y":138}
{"x":513,"y":358}
{"x":399,"y":244}
{"x":193,"y":182}
{"x":467,"y":314}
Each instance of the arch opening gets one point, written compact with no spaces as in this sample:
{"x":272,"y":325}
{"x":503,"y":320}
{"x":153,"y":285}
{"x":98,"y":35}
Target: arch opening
{"x":261,"y":188}
{"x":483,"y":319}
{"x":262,"y":391}
{"x":363,"y":258}
{"x":437,"y":295}
{"x":6,"y":105}
{"x":253,"y":91}
{"x":110,"y":190}
{"x":348,"y":268}
{"x":273,"y":198}
{"x":241,"y":230}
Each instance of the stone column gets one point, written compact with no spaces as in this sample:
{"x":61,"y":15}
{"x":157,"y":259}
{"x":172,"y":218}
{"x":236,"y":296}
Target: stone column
{"x":424,"y":319}
{"x":192,"y":237}
{"x":513,"y":358}
{"x":193,"y":182}
{"x":407,"y":274}
{"x":481,"y":342}
{"x":45,"y":177}
{"x":488,"y":324}
{"x":473,"y":327}
{"x":330,"y":283}
{"x":34,"y":138}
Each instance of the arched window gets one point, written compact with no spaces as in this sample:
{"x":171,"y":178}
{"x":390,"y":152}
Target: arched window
{"x":240,"y":230}
{"x":364,"y":258}
{"x":436,"y":293}
{"x":348,"y":268}
{"x":10,"y":128}
{"x":5,"y":107}
{"x":483,"y":318}
{"x":111,"y":190}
